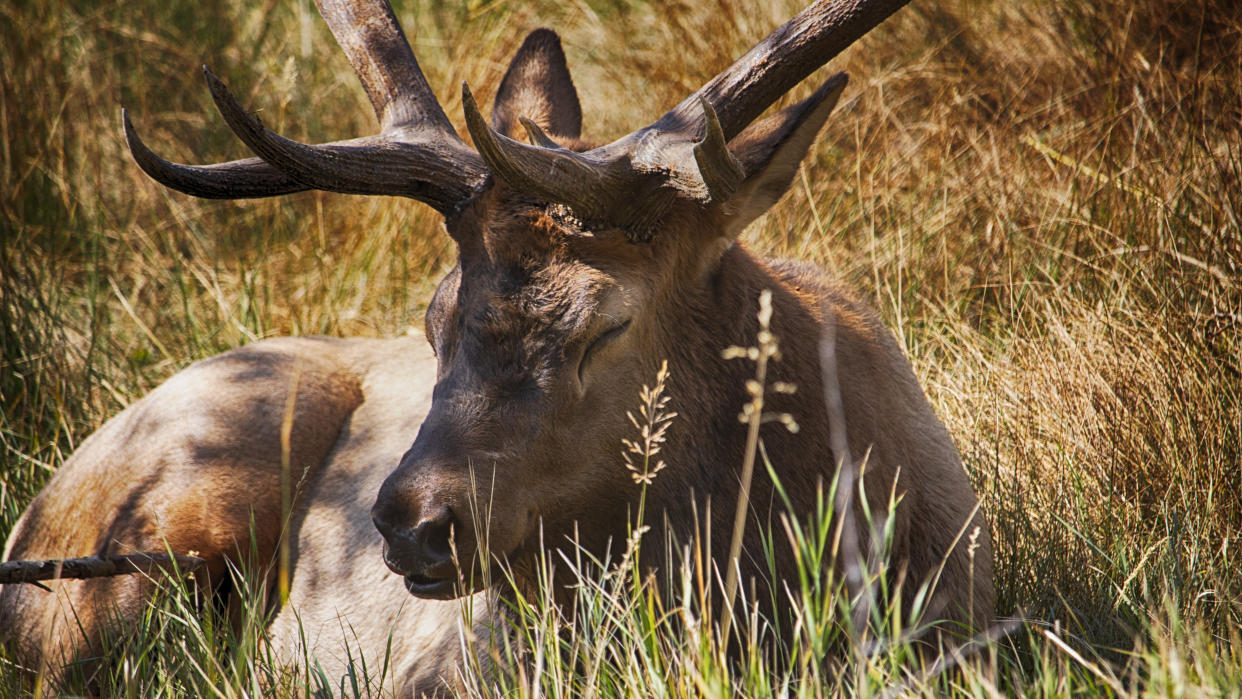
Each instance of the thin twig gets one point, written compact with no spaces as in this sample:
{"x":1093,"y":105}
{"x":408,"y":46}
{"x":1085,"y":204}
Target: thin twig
{"x":856,"y":585}
{"x":94,"y":567}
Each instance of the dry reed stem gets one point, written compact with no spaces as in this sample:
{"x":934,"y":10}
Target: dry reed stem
{"x":752,"y":415}
{"x":856,"y":583}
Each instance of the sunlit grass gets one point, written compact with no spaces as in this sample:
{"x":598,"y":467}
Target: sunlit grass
{"x":1041,"y":201}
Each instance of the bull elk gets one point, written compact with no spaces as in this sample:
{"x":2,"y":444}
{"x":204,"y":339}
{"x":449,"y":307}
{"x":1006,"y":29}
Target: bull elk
{"x":580,"y":269}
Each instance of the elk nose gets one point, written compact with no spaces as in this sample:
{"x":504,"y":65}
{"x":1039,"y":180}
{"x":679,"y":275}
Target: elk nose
{"x":425,"y":549}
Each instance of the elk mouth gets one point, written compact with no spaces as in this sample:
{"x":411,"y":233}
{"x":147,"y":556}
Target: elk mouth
{"x":435,"y":581}
{"x":427,"y":587}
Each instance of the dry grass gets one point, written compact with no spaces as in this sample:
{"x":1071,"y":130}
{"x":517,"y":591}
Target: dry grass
{"x":1042,"y":201}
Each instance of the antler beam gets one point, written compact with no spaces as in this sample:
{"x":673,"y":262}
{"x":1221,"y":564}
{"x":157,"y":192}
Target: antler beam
{"x":371,"y":37}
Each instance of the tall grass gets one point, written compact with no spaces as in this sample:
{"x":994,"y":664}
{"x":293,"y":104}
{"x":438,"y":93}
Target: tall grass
{"x":1042,"y":202}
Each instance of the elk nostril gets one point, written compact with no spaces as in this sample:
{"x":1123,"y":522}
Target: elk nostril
{"x":433,"y":535}
{"x":385,"y":528}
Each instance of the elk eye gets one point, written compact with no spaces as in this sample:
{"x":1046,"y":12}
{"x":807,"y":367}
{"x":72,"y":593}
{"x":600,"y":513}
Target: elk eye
{"x":599,"y":343}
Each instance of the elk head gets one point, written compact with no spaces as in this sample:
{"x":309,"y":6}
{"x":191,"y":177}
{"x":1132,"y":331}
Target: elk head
{"x":573,"y":264}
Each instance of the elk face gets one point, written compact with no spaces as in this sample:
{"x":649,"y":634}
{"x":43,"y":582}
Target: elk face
{"x":537,"y":332}
{"x":572,"y":261}
{"x":545,"y":331}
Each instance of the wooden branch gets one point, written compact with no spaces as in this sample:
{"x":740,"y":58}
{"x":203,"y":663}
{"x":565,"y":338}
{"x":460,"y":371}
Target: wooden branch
{"x":95,"y":567}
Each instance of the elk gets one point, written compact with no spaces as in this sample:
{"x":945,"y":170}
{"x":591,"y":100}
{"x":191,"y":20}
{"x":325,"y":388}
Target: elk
{"x":580,"y":269}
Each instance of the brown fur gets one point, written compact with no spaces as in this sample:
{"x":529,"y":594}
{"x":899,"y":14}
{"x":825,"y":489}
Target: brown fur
{"x":509,"y":409}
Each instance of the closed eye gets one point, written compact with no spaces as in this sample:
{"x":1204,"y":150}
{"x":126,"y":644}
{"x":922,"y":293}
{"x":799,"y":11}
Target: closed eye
{"x":603,"y":340}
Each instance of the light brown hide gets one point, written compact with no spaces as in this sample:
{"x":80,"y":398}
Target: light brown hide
{"x":195,"y":466}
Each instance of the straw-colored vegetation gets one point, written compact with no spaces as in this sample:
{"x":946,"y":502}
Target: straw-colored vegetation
{"x":1041,"y":199}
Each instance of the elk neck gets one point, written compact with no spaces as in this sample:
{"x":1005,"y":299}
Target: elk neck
{"x":707,"y":441}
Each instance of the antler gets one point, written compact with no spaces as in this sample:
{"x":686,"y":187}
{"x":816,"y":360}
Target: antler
{"x":687,"y":147}
{"x":417,"y":153}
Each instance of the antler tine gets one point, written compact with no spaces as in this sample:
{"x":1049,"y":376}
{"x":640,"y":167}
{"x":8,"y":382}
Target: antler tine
{"x":239,"y":179}
{"x":417,"y":154}
{"x":369,"y":34}
{"x":721,"y":172}
{"x":789,"y":54}
{"x":596,"y":184}
{"x":439,"y":172}
{"x":517,"y":163}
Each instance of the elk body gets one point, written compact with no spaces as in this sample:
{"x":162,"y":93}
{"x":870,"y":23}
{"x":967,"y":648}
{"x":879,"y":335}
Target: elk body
{"x":580,"y":270}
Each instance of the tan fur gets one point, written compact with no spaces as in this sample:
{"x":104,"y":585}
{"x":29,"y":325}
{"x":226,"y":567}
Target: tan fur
{"x":191,"y":465}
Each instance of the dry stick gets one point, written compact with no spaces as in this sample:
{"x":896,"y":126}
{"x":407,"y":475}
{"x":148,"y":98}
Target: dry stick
{"x":743,"y":504}
{"x":95,"y":567}
{"x":855,"y":584}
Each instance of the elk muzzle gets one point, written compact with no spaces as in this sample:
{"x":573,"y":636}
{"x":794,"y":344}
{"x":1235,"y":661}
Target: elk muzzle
{"x":443,"y":521}
{"x":423,"y":553}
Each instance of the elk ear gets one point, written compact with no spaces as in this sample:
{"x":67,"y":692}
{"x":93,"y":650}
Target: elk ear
{"x":537,"y":86}
{"x":771,"y":149}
